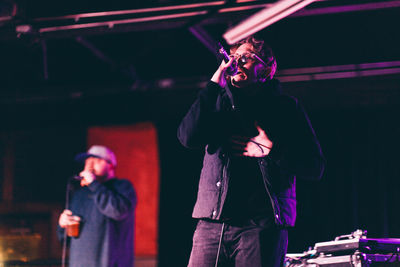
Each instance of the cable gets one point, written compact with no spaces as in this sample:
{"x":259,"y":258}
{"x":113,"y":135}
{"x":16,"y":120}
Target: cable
{"x":219,"y":244}
{"x":260,"y":146}
{"x":64,"y":248}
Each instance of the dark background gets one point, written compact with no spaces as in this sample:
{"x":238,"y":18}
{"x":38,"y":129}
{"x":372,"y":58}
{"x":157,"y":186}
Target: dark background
{"x":56,"y":85}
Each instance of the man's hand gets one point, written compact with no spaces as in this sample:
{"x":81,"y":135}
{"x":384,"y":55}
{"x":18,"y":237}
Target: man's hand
{"x":88,"y":177}
{"x":258,"y":146}
{"x":66,"y":218}
{"x":87,"y":174}
{"x":219,"y":75}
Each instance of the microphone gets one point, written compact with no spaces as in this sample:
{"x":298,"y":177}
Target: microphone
{"x":76,"y":178}
{"x":232,"y":70}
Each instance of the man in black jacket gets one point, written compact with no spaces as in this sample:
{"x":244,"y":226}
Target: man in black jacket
{"x":256,"y":141}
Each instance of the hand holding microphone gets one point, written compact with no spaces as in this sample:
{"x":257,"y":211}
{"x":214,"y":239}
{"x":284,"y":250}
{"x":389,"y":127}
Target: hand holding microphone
{"x":88,"y":177}
{"x":232,"y":68}
{"x":227,"y":66}
{"x":87,"y":174}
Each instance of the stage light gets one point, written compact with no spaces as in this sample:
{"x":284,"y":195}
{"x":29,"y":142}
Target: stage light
{"x":264,"y":18}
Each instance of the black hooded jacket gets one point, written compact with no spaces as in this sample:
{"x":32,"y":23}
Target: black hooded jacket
{"x":217,"y":114}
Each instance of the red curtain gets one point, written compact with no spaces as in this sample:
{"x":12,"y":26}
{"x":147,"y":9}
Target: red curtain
{"x":136,"y":149}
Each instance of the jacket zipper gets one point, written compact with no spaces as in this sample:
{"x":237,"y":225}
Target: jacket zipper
{"x":223,"y":181}
{"x":265,"y":181}
{"x":265,"y":178}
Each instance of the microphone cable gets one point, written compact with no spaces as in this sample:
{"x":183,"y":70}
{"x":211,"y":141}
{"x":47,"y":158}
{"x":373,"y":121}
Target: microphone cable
{"x":219,"y":244}
{"x":67,"y":193}
{"x":64,"y":247}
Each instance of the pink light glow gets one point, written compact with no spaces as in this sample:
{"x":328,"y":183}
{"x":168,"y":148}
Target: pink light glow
{"x":111,"y":24}
{"x":76,"y":17}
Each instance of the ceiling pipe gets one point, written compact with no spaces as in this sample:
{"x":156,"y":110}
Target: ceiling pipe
{"x":346,"y":8}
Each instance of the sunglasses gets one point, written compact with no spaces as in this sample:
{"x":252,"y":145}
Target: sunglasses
{"x":247,"y":57}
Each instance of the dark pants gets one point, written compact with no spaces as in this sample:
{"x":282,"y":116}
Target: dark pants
{"x":253,"y":243}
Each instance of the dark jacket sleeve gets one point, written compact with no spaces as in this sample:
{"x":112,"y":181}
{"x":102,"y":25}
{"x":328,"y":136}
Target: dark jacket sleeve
{"x":300,"y":154}
{"x":198,"y":125}
{"x":116,"y":202}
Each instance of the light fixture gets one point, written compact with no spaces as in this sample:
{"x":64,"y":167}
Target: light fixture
{"x":264,"y":18}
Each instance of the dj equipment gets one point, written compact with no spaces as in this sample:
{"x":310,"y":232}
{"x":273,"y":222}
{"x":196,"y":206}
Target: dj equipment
{"x":354,"y":250}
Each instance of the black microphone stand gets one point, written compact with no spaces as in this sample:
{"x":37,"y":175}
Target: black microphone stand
{"x":64,"y":248}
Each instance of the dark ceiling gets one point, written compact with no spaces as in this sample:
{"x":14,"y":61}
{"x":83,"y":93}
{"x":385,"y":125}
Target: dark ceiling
{"x":39,"y":52}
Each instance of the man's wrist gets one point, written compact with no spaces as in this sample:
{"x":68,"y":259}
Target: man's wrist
{"x":219,"y":78}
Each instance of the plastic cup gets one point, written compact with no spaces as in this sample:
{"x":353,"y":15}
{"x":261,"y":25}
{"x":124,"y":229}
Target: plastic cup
{"x":73,"y":229}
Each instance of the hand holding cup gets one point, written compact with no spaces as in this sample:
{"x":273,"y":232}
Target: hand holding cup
{"x":70,"y":222}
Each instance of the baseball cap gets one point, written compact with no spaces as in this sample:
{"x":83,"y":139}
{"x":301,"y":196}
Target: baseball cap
{"x":98,"y":151}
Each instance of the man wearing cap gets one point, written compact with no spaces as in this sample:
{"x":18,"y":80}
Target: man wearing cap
{"x":104,"y":208}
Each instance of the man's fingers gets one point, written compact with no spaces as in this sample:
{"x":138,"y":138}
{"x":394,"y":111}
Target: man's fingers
{"x":238,"y":142}
{"x":259,"y":129}
{"x":67,"y":212}
{"x":239,"y":139}
{"x":227,"y":64}
{"x":66,"y":220}
{"x":76,"y":218}
{"x":63,"y":220}
{"x":84,"y":182}
{"x":238,"y":150}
